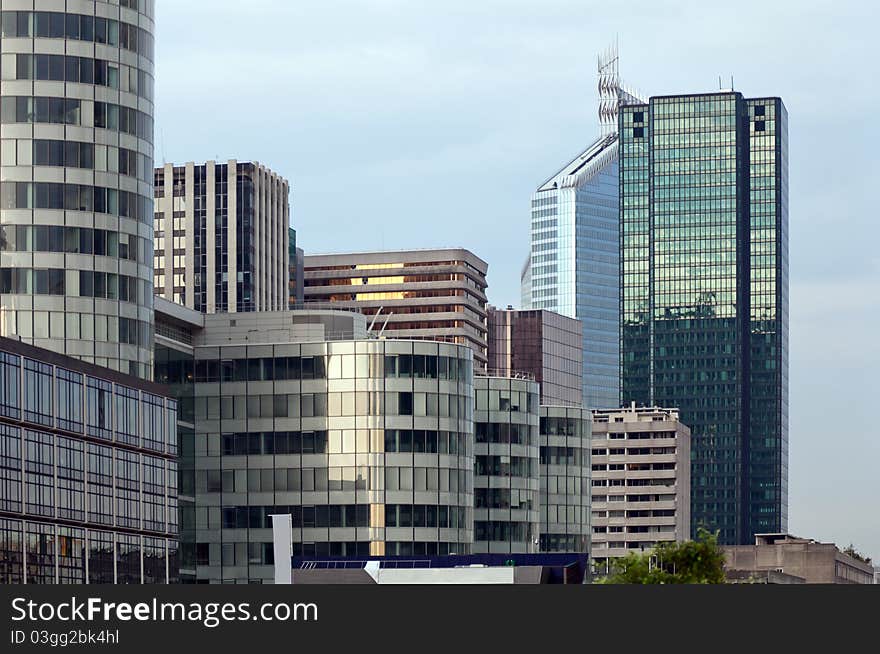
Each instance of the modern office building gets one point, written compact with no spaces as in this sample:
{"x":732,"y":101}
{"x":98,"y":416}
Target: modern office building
{"x":641,"y":481}
{"x":704,"y":305}
{"x":221,"y":236}
{"x":76,"y":161}
{"x":545,"y":344}
{"x":574,"y":257}
{"x":801,"y":558}
{"x":565,"y":479}
{"x":88,"y":472}
{"x":436,"y":295}
{"x":295,"y":277}
{"x":506,"y":459}
{"x":367,"y":443}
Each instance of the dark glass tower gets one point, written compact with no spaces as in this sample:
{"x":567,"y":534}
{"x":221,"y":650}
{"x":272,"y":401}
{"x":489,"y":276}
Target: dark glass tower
{"x":704,"y":294}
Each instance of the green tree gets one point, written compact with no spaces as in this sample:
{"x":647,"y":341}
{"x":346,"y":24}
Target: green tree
{"x":699,"y":561}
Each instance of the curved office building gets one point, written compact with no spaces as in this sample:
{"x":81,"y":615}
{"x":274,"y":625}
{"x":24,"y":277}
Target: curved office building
{"x":506,"y":470}
{"x":565,"y":479}
{"x":76,"y":212}
{"x":368,"y":444}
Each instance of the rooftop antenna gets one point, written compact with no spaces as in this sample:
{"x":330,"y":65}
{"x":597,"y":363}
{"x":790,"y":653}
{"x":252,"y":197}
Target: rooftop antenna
{"x":385,"y":324}
{"x":731,"y":82}
{"x":373,"y":321}
{"x":609,"y":89}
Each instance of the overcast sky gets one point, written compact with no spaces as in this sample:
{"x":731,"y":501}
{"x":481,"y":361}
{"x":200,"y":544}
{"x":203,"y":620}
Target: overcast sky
{"x":407,"y":123}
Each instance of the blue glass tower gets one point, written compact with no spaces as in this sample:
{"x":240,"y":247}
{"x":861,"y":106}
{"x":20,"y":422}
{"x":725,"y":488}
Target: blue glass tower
{"x":704,"y":294}
{"x":574,"y":260}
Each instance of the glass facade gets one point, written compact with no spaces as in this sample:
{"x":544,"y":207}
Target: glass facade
{"x":565,"y":479}
{"x":573,"y":268}
{"x":506,"y":460}
{"x":84,"y":479}
{"x":544,"y":344}
{"x":704,"y":294}
{"x":76,"y":149}
{"x":367,"y":444}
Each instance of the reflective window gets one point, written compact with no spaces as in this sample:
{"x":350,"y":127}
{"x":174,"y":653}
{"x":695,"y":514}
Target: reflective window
{"x":10,"y":371}
{"x":99,"y":404}
{"x":101,"y":555}
{"x":37,"y":392}
{"x":11,"y":552}
{"x":128,"y":513}
{"x":40,"y":553}
{"x":39,"y":473}
{"x":10,"y":469}
{"x":71,"y":479}
{"x":71,"y":555}
{"x":69,"y":397}
{"x":127,"y":416}
{"x":100,"y":484}
{"x":128,"y":559}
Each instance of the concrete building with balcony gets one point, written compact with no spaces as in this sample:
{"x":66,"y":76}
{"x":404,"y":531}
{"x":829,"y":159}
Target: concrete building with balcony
{"x":434,"y":295}
{"x":640,"y":464}
{"x":806,"y":559}
{"x":545,"y":344}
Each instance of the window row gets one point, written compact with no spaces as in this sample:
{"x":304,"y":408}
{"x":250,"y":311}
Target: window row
{"x":75,"y":197}
{"x":506,"y":400}
{"x":348,"y":441}
{"x":505,"y":498}
{"x":68,"y":111}
{"x":505,"y":532}
{"x":75,"y":240}
{"x":418,"y":479}
{"x":266,"y":369}
{"x":38,"y":393}
{"x":505,"y":466}
{"x":427,"y":366}
{"x":307,"y":405}
{"x":59,"y":554}
{"x":77,"y":154}
{"x":82,"y":283}
{"x":283,"y":480}
{"x":563,"y":456}
{"x":427,"y":515}
{"x":495,"y":432}
{"x":82,"y":70}
{"x":81,"y":326}
{"x":308,"y":517}
{"x":94,"y":29}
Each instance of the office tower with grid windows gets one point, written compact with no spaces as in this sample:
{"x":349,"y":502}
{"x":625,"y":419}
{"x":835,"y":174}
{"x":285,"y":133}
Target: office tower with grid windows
{"x":76,"y":212}
{"x":433,"y":294}
{"x":221,"y":236}
{"x":704,"y":294}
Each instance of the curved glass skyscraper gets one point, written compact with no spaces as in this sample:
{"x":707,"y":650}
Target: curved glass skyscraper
{"x":76,"y":216}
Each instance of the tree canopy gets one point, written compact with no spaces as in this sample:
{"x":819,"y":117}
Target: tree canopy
{"x":699,"y":561}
